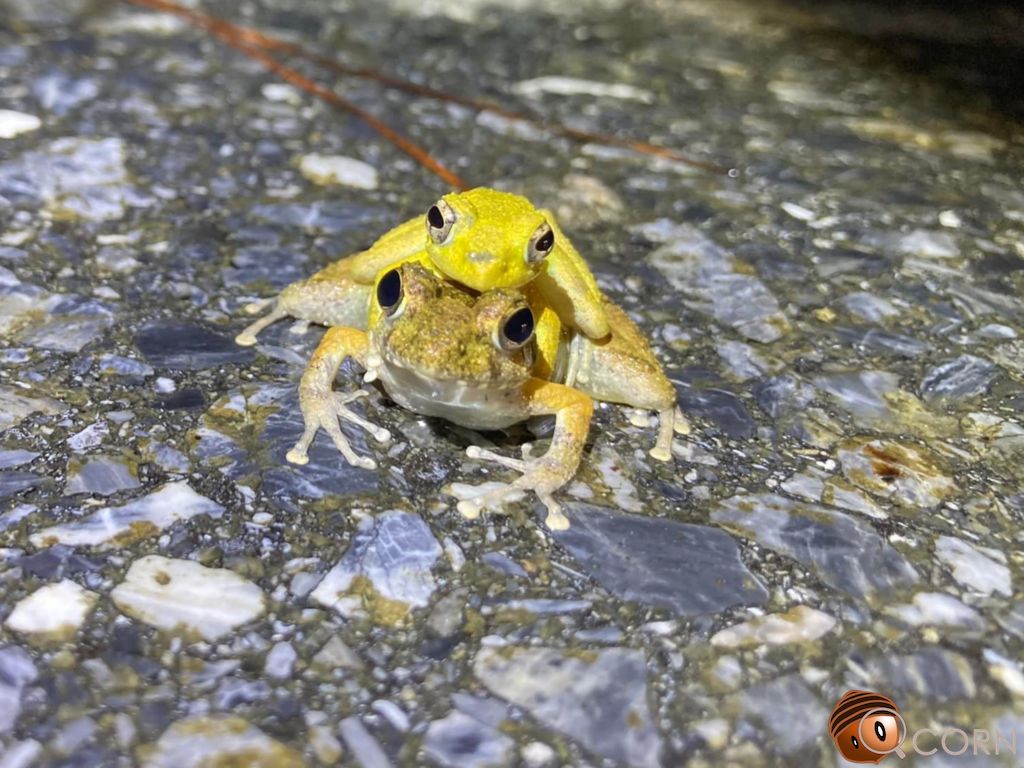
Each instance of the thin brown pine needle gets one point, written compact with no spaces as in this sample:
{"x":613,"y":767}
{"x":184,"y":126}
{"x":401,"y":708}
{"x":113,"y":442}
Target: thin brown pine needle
{"x":255,"y":44}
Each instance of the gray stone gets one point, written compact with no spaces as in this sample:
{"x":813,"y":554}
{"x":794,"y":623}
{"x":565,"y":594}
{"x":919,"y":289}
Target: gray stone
{"x":124,"y":366}
{"x":958,"y":379}
{"x":16,"y":671}
{"x":934,"y":674}
{"x":687,"y":569}
{"x":394,"y":552}
{"x":184,"y":347}
{"x":862,"y":393}
{"x":777,"y":706}
{"x":13,"y":483}
{"x":15,"y":458}
{"x":718,"y":406}
{"x":86,"y":178}
{"x":59,"y":93}
{"x":703,"y":271}
{"x":867,"y":306}
{"x":599,"y":700}
{"x":842,"y":551}
{"x":460,"y":741}
{"x":280,"y":661}
{"x":100,"y":475}
{"x":364,"y":747}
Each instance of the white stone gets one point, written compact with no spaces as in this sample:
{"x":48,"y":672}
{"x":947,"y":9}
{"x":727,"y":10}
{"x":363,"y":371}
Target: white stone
{"x":282,"y":92}
{"x":145,"y":516}
{"x":197,"y":742}
{"x":89,"y":437}
{"x":178,"y":595}
{"x":930,"y":244}
{"x":1006,"y":671}
{"x":950,"y":219}
{"x":802,"y":624}
{"x":798,"y":211}
{"x":16,"y":123}
{"x":940,"y":610}
{"x":14,"y":406}
{"x":337,"y":169}
{"x":972,"y":568}
{"x":572,"y":86}
{"x":537,"y":754}
{"x":54,"y":610}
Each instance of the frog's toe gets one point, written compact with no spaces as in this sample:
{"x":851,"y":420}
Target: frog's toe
{"x":380,"y":434}
{"x":299,"y":327}
{"x":248,"y":335}
{"x":482,"y":454}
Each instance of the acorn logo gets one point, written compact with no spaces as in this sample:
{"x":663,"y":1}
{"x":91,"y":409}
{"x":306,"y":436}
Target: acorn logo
{"x":867,"y":726}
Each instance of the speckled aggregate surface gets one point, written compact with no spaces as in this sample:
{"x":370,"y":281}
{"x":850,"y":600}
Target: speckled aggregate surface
{"x":842,"y":318}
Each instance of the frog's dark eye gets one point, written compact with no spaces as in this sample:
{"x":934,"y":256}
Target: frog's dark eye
{"x":440,"y":219}
{"x":516,"y":329}
{"x":389,"y":292}
{"x":541,"y":243}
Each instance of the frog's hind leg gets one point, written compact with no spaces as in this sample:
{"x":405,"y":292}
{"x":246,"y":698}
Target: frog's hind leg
{"x":623,"y":369}
{"x":322,"y":407}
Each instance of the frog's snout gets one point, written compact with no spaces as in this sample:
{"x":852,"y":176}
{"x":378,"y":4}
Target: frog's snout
{"x":480,"y":257}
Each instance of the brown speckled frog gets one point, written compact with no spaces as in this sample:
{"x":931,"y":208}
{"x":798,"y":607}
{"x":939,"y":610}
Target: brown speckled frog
{"x":484,"y":361}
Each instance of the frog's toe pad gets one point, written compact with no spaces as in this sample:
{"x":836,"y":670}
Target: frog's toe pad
{"x":297,"y":456}
{"x":255,"y":307}
{"x":661,"y":454}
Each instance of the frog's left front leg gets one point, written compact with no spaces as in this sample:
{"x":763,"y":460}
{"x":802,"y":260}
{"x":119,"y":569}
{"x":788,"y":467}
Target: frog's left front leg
{"x":546,"y":474}
{"x":323,"y":407}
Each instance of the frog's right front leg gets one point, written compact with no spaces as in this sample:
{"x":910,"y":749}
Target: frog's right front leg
{"x":323,"y":407}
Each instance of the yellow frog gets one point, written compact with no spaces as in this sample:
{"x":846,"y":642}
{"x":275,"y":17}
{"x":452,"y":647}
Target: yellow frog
{"x":482,"y":239}
{"x":484,"y":361}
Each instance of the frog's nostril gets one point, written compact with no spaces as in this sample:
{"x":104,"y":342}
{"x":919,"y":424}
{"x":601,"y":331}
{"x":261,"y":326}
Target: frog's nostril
{"x":480,"y":258}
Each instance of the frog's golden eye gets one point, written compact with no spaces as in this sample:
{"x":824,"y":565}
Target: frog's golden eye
{"x":389,"y":292}
{"x":541,"y":243}
{"x":440,"y":219}
{"x":516,"y":330}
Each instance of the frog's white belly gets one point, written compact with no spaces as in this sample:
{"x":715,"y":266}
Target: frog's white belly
{"x":470,"y":404}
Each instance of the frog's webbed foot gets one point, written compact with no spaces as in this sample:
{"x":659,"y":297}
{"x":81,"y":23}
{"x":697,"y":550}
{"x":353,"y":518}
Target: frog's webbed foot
{"x":325,"y":410}
{"x":541,"y":475}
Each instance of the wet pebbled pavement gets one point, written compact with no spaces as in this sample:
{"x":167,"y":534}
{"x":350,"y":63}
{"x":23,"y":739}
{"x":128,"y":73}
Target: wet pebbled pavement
{"x":841,"y":317}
